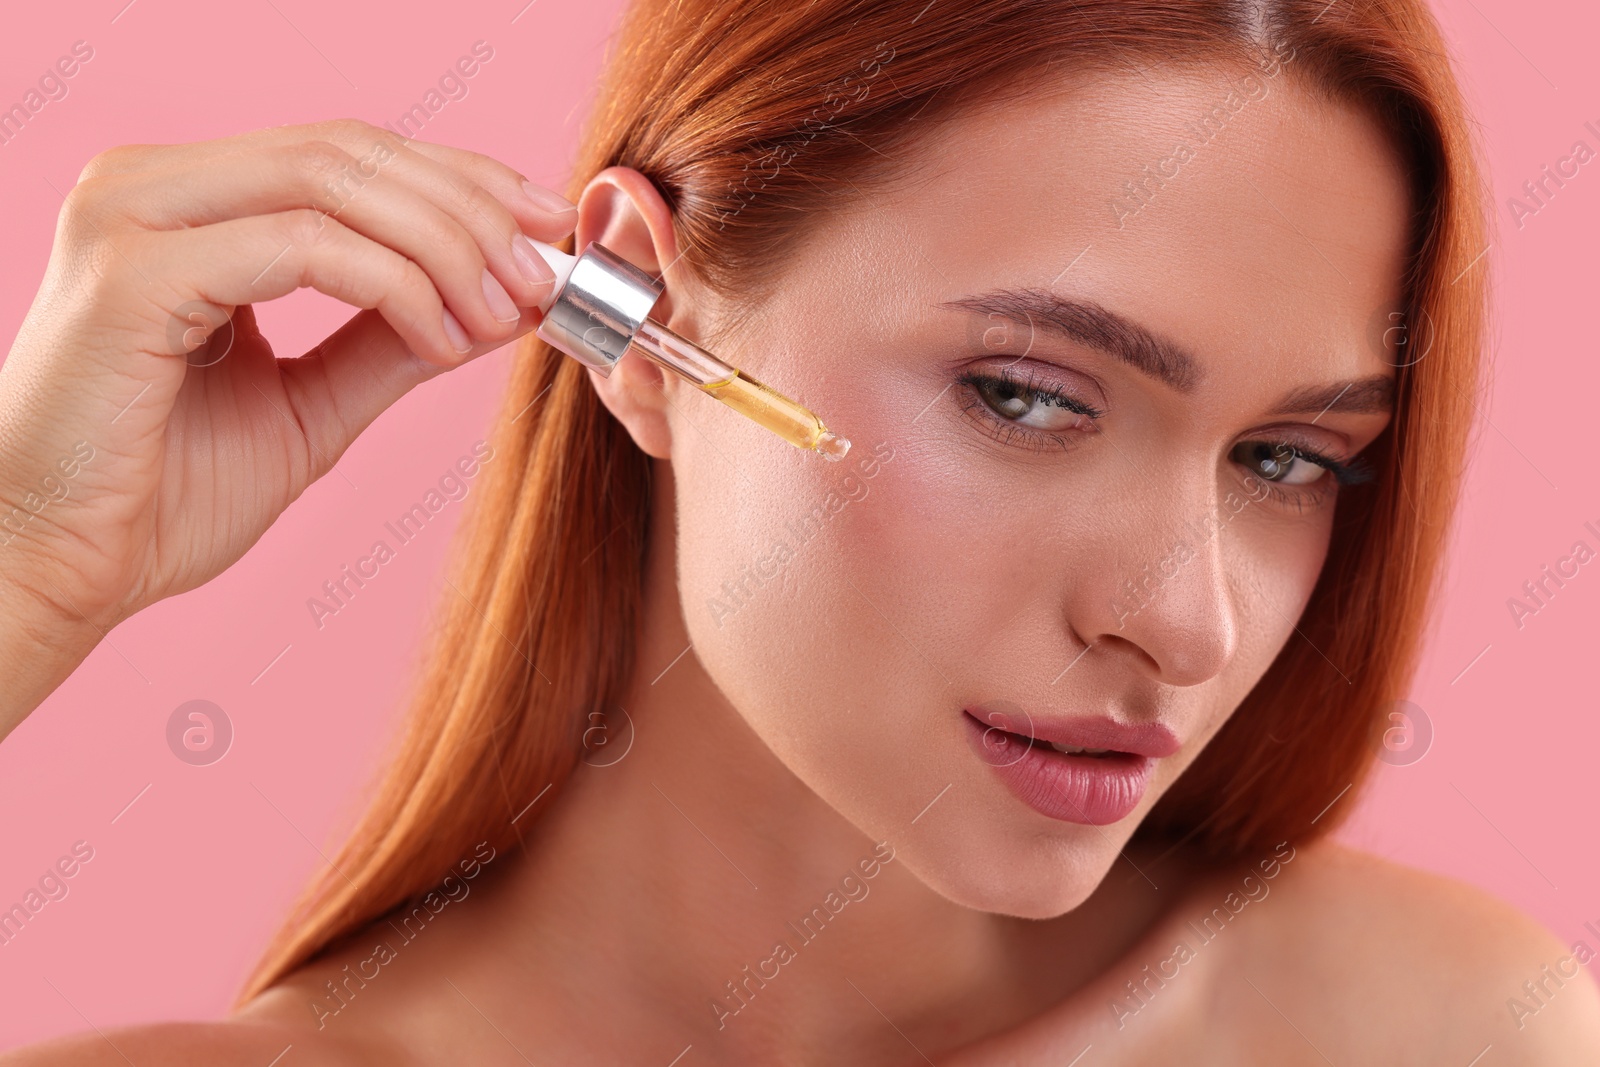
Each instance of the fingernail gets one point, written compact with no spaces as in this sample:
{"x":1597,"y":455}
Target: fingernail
{"x":458,"y":336}
{"x":500,"y":305}
{"x":546,"y":200}
{"x":529,"y":262}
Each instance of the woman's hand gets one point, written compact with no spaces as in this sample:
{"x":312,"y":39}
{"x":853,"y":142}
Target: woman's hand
{"x":146,"y":442}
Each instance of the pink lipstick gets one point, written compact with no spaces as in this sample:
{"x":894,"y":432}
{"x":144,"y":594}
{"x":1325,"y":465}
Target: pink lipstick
{"x":1091,"y":770}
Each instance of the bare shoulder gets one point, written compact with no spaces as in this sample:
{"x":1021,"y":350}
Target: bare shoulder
{"x":1421,"y":967}
{"x":186,"y":1044}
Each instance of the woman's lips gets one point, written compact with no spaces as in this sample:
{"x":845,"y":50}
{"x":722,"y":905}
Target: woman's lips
{"x":1142,"y":739}
{"x":1087,"y":789}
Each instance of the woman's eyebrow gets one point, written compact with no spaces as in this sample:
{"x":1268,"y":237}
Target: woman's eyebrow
{"x":1088,"y":323}
{"x":1360,"y":396}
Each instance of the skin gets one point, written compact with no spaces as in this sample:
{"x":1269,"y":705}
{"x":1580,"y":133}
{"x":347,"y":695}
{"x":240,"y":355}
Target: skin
{"x":825,"y":713}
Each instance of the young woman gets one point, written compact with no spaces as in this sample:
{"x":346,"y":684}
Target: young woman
{"x":1014,"y":738}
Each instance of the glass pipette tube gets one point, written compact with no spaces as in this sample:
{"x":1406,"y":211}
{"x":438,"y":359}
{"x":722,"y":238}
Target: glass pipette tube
{"x":599,"y":309}
{"x":738,"y":390}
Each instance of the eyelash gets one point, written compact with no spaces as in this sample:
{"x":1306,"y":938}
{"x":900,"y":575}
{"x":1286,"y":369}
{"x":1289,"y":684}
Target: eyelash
{"x":1008,"y":432}
{"x":1344,"y":472}
{"x":1353,"y":472}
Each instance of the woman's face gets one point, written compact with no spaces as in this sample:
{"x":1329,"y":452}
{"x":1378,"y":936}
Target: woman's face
{"x":1082,"y":369}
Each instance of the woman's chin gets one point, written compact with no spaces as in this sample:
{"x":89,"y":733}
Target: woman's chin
{"x":1024,"y":885}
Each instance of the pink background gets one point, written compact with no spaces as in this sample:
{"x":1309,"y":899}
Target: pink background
{"x":187,"y":882}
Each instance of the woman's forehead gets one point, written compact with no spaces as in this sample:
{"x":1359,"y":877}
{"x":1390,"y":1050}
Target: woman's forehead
{"x":1283,"y":230}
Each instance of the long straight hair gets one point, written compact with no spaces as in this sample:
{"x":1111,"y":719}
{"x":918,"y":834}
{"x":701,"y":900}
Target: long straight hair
{"x":751,"y":116}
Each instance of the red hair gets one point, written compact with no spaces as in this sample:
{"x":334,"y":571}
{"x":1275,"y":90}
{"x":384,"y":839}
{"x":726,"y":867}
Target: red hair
{"x":750,"y":116}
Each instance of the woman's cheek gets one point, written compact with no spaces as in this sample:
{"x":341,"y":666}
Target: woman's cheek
{"x":1273,"y":564}
{"x":1272,"y":568}
{"x":793,"y":598}
{"x":752,"y":552}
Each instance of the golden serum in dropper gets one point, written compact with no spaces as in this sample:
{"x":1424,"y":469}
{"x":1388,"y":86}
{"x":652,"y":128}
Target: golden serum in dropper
{"x":600,"y":308}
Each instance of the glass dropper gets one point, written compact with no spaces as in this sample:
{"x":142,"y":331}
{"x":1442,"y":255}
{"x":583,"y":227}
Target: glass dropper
{"x":600,"y":308}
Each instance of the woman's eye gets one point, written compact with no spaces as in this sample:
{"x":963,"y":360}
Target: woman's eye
{"x":1036,"y":409}
{"x":1277,"y":462}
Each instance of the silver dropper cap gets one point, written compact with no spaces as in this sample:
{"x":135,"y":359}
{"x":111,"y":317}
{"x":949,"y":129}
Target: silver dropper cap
{"x":602,"y":305}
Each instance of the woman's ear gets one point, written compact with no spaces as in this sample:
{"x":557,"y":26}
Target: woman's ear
{"x":622,"y":210}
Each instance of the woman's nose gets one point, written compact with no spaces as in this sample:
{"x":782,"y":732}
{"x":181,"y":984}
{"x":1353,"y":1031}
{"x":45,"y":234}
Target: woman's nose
{"x":1165,"y":593}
